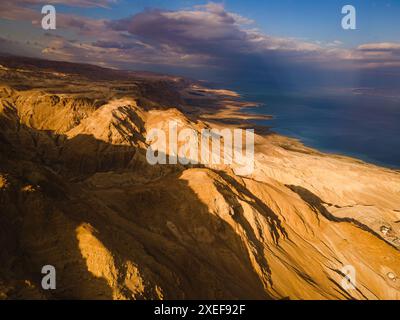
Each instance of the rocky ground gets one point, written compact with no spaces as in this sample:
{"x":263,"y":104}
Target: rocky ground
{"x":76,"y":192}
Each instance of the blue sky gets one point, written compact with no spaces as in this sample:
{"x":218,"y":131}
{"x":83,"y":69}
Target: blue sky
{"x":306,"y":19}
{"x":320,"y":20}
{"x":274,"y":39}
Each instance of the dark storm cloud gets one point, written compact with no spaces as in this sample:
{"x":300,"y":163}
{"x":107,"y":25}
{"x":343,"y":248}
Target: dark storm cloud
{"x":210,"y":37}
{"x":209,"y":32}
{"x":115,"y":44}
{"x":205,"y":37}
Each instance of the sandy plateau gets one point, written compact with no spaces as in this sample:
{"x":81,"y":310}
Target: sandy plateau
{"x":76,"y":192}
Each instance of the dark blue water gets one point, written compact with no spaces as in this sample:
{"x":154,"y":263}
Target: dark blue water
{"x":365,"y":127}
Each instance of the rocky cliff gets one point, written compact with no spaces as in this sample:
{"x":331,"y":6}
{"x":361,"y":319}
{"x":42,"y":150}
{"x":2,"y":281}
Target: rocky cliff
{"x":76,"y":192}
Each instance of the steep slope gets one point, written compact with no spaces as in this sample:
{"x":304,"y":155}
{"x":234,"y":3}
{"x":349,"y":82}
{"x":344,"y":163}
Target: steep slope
{"x":77,"y":192}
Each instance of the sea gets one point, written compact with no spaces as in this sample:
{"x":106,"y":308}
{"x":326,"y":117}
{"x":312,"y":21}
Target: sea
{"x":361,"y":125}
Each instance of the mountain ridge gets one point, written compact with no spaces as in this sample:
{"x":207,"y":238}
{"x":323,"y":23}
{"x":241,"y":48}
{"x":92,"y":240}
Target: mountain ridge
{"x":77,"y":192}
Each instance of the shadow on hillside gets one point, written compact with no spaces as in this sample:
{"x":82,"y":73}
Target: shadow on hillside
{"x":179,"y":248}
{"x":36,"y":231}
{"x":316,"y":202}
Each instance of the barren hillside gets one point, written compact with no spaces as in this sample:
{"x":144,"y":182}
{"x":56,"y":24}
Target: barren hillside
{"x":77,"y":192}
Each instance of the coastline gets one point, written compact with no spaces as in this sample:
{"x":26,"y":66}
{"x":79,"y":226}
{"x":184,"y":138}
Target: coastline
{"x":326,"y":176}
{"x":78,"y":148}
{"x":229,"y":108}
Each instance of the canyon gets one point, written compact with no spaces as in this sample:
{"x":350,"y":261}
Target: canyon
{"x":77,"y":193}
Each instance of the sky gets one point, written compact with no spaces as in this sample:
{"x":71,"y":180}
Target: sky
{"x":283,"y":42}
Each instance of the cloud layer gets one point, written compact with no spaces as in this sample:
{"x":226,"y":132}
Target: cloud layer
{"x":205,"y":36}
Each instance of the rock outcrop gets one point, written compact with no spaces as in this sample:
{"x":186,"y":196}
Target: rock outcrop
{"x":76,"y":192}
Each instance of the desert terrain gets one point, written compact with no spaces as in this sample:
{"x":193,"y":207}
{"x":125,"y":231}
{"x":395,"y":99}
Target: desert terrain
{"x":76,"y":192}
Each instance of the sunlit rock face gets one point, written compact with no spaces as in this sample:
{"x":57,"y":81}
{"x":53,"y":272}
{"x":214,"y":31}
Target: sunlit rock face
{"x":77,"y":192}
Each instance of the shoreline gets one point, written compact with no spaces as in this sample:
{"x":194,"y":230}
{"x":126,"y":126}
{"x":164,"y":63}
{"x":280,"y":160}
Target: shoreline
{"x":227,"y":109}
{"x":75,"y":168}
